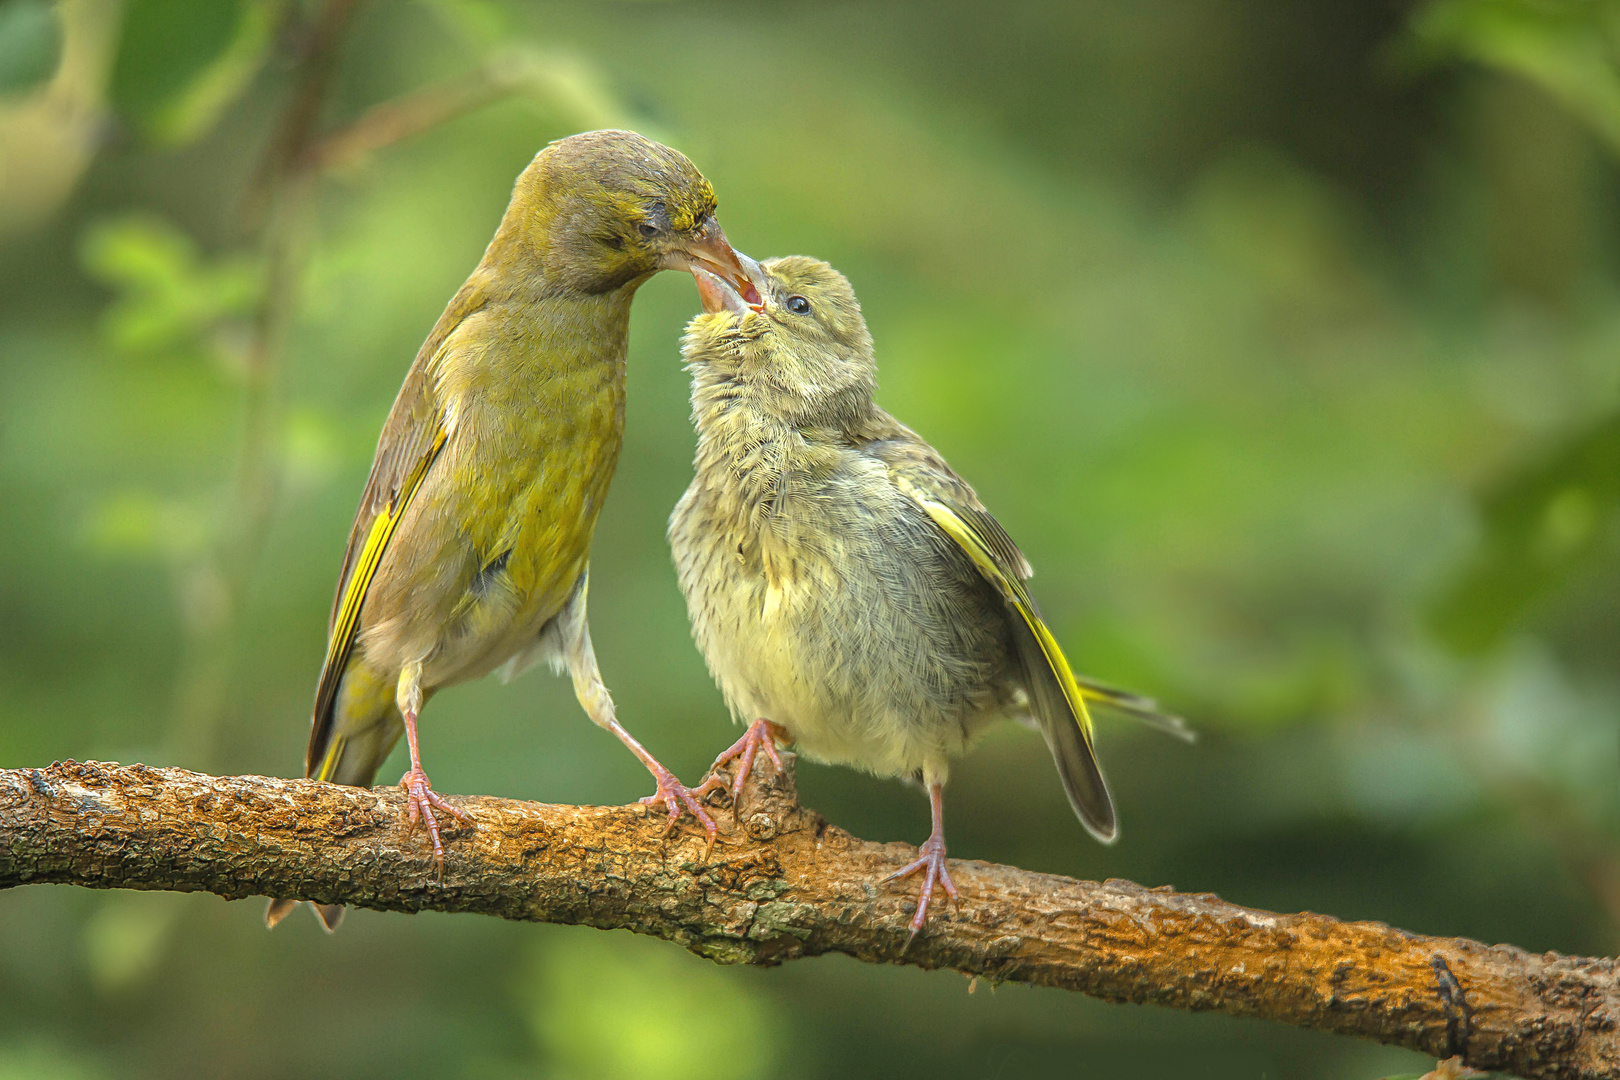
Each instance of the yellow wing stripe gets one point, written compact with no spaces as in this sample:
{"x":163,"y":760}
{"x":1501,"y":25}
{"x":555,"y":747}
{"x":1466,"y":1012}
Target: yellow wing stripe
{"x":341,"y":643}
{"x":333,"y":753}
{"x":1013,"y":590}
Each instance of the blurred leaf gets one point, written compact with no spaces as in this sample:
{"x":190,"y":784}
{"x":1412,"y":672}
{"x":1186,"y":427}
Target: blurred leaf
{"x":48,"y":138}
{"x":1569,"y":47}
{"x":567,"y":81}
{"x":168,"y":296}
{"x":140,"y":523}
{"x":311,"y":448}
{"x":481,"y":22}
{"x":193,"y":112}
{"x":30,"y":44}
{"x":181,"y":62}
{"x":1540,"y":527}
{"x":611,"y":1005}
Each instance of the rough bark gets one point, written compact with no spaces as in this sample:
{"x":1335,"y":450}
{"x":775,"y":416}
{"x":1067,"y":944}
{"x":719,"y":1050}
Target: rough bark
{"x":783,"y":884}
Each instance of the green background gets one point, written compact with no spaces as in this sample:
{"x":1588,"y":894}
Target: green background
{"x":1283,"y":336}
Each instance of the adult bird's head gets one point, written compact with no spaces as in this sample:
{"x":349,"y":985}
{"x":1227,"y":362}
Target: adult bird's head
{"x":610,"y":208}
{"x":803,"y":353}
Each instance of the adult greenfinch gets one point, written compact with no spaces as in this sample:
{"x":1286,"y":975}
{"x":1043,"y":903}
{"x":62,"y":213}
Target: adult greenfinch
{"x":471,"y":547}
{"x":849,"y":591}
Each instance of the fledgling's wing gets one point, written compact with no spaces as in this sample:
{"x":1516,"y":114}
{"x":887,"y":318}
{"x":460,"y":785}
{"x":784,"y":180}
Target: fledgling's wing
{"x":1056,"y":698}
{"x":410,"y":443}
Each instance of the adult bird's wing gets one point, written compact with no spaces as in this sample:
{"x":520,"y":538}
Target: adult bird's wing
{"x":411,"y":441}
{"x":1056,"y":697}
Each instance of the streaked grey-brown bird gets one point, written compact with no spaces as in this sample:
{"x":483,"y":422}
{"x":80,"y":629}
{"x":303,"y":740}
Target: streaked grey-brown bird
{"x":471,"y":547}
{"x":849,"y":591}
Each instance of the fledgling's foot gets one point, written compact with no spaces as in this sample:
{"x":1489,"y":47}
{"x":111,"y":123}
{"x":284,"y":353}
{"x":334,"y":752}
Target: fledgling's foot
{"x":761,"y":735}
{"x":931,"y":863}
{"x":422,"y":799}
{"x":676,"y":797}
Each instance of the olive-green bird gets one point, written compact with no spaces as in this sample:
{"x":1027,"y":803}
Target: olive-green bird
{"x":470,"y":549}
{"x":849,"y":591}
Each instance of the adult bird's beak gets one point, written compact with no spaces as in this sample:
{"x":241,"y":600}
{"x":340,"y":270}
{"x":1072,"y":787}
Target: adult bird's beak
{"x":708,"y":251}
{"x":718,"y":294}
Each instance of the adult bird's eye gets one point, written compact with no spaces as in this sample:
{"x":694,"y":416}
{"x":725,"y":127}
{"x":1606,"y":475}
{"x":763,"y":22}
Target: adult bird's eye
{"x":798,"y":305}
{"x":647,"y":229}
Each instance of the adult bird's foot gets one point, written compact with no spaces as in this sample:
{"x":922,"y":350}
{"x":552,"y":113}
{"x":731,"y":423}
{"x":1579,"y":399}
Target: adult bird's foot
{"x":761,"y":735}
{"x":931,"y":864}
{"x":676,"y":797}
{"x":422,"y":800}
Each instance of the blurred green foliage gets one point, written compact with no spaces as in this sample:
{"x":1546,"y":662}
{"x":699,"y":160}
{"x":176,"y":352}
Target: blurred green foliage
{"x":1284,"y":337}
{"x":1544,"y":525}
{"x":1570,"y":47}
{"x":182,"y":62}
{"x":603,"y":1006}
{"x":30,"y":44}
{"x":168,"y":299}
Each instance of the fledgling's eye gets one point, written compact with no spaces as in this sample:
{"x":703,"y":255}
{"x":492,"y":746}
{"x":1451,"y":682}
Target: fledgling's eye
{"x":648,"y":229}
{"x":798,"y":305}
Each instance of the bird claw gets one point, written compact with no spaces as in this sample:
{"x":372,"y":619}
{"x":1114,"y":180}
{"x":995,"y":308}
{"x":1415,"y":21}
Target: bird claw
{"x":421,"y":800}
{"x":761,"y":735}
{"x":676,"y":797}
{"x":931,"y":863}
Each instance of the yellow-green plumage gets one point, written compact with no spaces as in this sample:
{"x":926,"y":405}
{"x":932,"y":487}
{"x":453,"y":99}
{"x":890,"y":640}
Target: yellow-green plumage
{"x":528,"y":398}
{"x":470,"y":548}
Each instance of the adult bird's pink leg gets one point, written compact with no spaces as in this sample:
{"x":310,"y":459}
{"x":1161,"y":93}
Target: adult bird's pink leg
{"x":670,"y":791}
{"x":761,"y":735}
{"x":930,"y":862}
{"x":598,"y":705}
{"x":421,"y":797}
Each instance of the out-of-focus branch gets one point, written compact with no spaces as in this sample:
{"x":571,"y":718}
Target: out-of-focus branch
{"x":783,"y":884}
{"x":422,"y":110}
{"x":317,"y":46}
{"x":278,"y":203}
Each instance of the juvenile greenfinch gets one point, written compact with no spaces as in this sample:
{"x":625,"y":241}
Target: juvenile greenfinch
{"x":849,"y":591}
{"x":470,"y":550}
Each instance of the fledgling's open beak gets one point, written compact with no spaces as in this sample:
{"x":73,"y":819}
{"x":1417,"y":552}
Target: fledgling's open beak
{"x":708,"y":251}
{"x":718,"y":294}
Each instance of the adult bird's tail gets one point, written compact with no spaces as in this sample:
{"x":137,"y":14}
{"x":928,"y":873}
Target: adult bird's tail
{"x":347,"y":749}
{"x":331,"y":915}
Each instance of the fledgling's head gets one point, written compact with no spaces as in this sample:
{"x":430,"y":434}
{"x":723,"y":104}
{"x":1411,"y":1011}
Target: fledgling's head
{"x":606,"y":208}
{"x":803,"y":353}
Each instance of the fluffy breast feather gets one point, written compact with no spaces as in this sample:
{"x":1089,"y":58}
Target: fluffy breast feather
{"x":826,"y":602}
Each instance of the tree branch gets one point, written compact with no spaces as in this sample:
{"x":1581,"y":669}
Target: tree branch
{"x":423,"y":109}
{"x":784,"y":884}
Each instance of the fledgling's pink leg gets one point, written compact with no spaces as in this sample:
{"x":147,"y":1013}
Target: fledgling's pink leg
{"x":930,"y":863}
{"x":761,"y":735}
{"x":421,"y":797}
